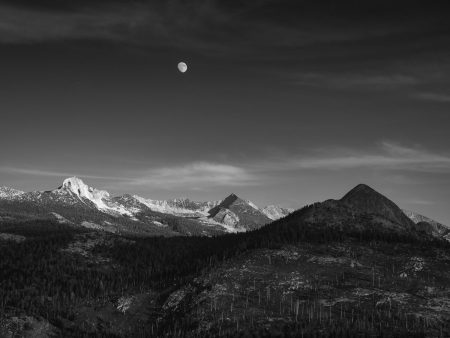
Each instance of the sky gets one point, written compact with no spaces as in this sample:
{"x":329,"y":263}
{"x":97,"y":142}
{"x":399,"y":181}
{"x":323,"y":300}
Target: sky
{"x":284,"y":102}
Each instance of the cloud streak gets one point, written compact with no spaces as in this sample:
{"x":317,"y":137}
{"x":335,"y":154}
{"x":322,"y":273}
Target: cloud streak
{"x":22,"y":25}
{"x":389,"y":156}
{"x":50,"y":173}
{"x":436,"y":97}
{"x":198,"y":24}
{"x":355,"y":80}
{"x":203,"y":175}
{"x":196,"y":175}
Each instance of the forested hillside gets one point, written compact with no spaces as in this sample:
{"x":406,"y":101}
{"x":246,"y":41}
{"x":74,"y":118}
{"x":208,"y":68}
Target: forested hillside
{"x":59,"y":270}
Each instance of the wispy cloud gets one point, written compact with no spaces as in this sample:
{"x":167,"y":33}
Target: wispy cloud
{"x":193,"y":25}
{"x":419,"y":202}
{"x":197,"y":175}
{"x":201,"y":25}
{"x":388,"y":156}
{"x":203,"y":175}
{"x":50,"y":173}
{"x":24,"y":25}
{"x":355,"y":81}
{"x":437,"y":97}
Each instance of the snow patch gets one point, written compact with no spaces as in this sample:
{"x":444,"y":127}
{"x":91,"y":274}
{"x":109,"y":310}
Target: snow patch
{"x":178,"y":207}
{"x":91,"y":225}
{"x":228,"y":228}
{"x":124,"y":303}
{"x":10,"y":193}
{"x":253,"y":205}
{"x":275,"y":212}
{"x":61,"y":219}
{"x":95,"y":226}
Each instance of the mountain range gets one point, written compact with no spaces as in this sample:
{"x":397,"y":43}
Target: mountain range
{"x":127,"y":266}
{"x":77,"y":203}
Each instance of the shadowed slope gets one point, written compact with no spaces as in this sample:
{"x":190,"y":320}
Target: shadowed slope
{"x":365,"y":199}
{"x":239,"y":213}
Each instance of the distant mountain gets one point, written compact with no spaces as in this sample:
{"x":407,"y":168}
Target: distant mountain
{"x":239,"y":214}
{"x":233,"y":213}
{"x":130,"y":203}
{"x":179,"y":206}
{"x":100,"y":198}
{"x":6,"y":192}
{"x":435,"y":228}
{"x":79,"y":204}
{"x":275,"y":212}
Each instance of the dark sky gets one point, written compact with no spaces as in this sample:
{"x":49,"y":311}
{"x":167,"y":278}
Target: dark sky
{"x":285,"y":102}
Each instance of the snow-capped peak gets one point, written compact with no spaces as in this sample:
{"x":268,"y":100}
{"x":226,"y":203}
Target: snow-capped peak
{"x":76,"y":186}
{"x":100,"y":198}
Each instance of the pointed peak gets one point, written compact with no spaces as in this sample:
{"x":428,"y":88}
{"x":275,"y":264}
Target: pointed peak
{"x":78,"y":187}
{"x":225,"y":203}
{"x":359,"y":191}
{"x":365,"y":199}
{"x":362,"y":187}
{"x":73,"y":181}
{"x":230,"y":199}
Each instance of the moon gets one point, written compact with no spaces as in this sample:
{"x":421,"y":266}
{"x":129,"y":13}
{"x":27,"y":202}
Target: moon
{"x":182,"y":67}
